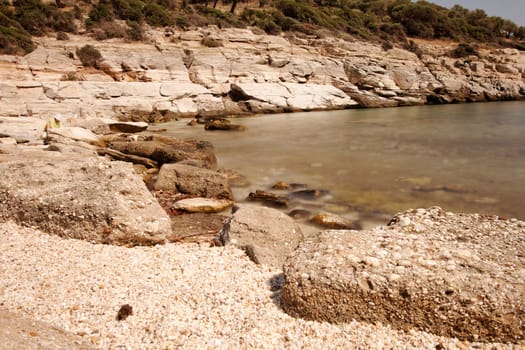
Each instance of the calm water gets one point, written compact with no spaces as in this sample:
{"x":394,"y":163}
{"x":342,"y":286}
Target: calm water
{"x":464,"y":158}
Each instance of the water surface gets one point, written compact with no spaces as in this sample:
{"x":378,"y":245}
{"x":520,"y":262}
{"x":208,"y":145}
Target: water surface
{"x":464,"y":158}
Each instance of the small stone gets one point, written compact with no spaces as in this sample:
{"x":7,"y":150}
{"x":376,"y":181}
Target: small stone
{"x":124,"y":311}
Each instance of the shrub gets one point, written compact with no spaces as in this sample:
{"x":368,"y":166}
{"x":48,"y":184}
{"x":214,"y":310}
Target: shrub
{"x":211,"y":42}
{"x":71,"y":76}
{"x":135,"y":31}
{"x":413,"y":47}
{"x":107,"y":30}
{"x":62,"y":36}
{"x":463,"y":50}
{"x":89,"y":56}
{"x":157,"y":16}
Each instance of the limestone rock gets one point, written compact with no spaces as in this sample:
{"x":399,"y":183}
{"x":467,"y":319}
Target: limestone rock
{"x":187,"y":179}
{"x":203,"y":205}
{"x":87,"y":198}
{"x":267,"y":235}
{"x":75,"y":133}
{"x":332,"y":221}
{"x":455,"y":275}
{"x":17,"y":332}
{"x":163,"y":150}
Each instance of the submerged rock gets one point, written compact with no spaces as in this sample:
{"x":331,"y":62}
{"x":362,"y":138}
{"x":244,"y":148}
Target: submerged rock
{"x":455,"y":275}
{"x":332,"y":221}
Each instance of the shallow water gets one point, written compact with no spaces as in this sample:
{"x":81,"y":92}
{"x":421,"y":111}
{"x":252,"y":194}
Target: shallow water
{"x":464,"y":158}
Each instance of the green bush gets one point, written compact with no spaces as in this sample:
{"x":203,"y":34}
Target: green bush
{"x":89,"y":56}
{"x":135,"y":31}
{"x":157,"y":16}
{"x":463,"y":50}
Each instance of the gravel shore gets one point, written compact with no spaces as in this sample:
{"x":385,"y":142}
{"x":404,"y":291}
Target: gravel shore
{"x":183,"y":296}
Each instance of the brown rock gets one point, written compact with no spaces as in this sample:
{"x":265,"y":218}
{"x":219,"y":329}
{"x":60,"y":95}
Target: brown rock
{"x":191,"y":180}
{"x":454,"y":275}
{"x":222,"y":124}
{"x":268,"y":198}
{"x":168,"y":150}
{"x":332,"y":221}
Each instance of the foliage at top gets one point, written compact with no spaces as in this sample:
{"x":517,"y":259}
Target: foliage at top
{"x":379,"y":20}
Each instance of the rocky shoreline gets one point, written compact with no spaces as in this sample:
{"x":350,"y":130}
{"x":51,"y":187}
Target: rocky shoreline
{"x":175,"y":75}
{"x":113,"y":204}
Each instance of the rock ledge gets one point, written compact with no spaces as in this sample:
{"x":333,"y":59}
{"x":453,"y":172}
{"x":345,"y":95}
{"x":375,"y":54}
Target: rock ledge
{"x":456,"y":275}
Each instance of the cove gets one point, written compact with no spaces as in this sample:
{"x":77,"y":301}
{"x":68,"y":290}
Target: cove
{"x":376,"y":162}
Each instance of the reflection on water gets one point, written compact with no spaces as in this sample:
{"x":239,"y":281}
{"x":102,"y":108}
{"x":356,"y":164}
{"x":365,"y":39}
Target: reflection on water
{"x":464,"y":158}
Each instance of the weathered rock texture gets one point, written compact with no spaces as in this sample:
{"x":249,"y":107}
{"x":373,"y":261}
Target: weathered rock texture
{"x":194,"y":181}
{"x":449,"y":274}
{"x":91,"y":199}
{"x":175,"y":75}
{"x":267,"y":235}
{"x":17,"y":332}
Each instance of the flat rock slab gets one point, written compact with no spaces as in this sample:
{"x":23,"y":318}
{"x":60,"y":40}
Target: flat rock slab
{"x":91,"y":199}
{"x":267,"y":235}
{"x":203,"y":205}
{"x":457,"y":275}
{"x":17,"y":332}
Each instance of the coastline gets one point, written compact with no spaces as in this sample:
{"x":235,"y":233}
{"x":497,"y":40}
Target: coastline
{"x":194,"y":295}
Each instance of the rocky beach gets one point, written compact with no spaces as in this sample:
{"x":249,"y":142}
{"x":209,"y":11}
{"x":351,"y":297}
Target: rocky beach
{"x":117,"y":237}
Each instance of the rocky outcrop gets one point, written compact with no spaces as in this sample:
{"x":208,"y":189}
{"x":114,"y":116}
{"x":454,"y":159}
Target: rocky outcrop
{"x":457,"y":275}
{"x":166,"y":149}
{"x":251,"y":73}
{"x":89,"y":198}
{"x":267,"y":235}
{"x":17,"y":332}
{"x":194,"y":181}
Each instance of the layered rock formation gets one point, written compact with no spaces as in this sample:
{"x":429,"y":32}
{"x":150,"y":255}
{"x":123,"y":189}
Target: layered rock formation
{"x":175,"y":75}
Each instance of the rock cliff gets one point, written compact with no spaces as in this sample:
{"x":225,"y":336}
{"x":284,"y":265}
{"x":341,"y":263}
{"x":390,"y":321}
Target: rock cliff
{"x":174,"y":74}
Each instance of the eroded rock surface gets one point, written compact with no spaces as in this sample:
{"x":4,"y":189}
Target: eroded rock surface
{"x":267,"y":235}
{"x":91,"y":199}
{"x":177,"y":76}
{"x":195,"y":181}
{"x":457,"y":275}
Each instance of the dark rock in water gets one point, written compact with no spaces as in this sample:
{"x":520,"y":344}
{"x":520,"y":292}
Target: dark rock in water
{"x":234,"y":178}
{"x":199,"y":182}
{"x":222,"y":124}
{"x":300,"y":214}
{"x":332,"y":221}
{"x":281,"y":185}
{"x":308,"y":194}
{"x":268,"y":198}
{"x":296,"y":186}
{"x":163,"y":149}
{"x":267,"y":235}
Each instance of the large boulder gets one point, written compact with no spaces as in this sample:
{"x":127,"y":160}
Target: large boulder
{"x":17,"y":332}
{"x":168,"y":150}
{"x":456,"y":275}
{"x":90,"y":198}
{"x":194,"y":181}
{"x":267,"y":235}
